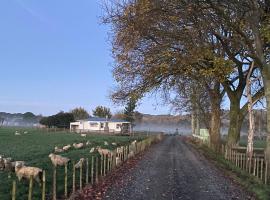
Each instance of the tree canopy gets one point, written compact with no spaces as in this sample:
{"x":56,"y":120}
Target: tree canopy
{"x":80,"y":113}
{"x":102,"y":111}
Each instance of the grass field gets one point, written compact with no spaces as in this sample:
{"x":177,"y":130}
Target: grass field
{"x":35,"y":147}
{"x":257,"y":143}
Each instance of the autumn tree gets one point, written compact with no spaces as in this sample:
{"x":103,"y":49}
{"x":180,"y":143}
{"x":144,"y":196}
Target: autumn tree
{"x":80,"y":113}
{"x":102,"y":111}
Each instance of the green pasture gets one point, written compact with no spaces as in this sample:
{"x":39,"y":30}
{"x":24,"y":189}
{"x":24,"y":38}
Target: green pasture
{"x":34,"y":148}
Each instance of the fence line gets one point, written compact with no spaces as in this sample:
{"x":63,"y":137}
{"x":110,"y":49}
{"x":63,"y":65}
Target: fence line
{"x":257,"y":166}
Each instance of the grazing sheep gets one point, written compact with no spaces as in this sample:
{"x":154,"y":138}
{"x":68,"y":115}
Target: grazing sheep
{"x":78,"y":146}
{"x":58,"y":150}
{"x":114,"y":144}
{"x":88,"y":143}
{"x":106,"y":143}
{"x":17,"y":133}
{"x":93,"y":150}
{"x":26,"y":172}
{"x":105,"y":151}
{"x":25,"y":132}
{"x":79,"y":163}
{"x":58,"y":160}
{"x":67,"y":147}
{"x":83,"y":135}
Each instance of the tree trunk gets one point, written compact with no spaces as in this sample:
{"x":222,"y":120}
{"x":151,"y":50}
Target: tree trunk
{"x":193,"y":123}
{"x":250,"y":116}
{"x":216,"y":98}
{"x":215,"y":125}
{"x":267,"y":96}
{"x":236,"y":120}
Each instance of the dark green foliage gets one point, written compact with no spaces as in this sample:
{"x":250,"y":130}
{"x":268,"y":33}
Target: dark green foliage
{"x":102,"y":111}
{"x":80,"y":113}
{"x":129,"y":110}
{"x":60,"y":120}
{"x":29,"y":116}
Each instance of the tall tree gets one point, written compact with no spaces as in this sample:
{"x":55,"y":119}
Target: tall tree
{"x":129,"y":110}
{"x":102,"y":111}
{"x":80,"y":113}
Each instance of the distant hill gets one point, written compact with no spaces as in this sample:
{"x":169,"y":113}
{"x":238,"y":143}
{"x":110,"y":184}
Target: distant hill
{"x":164,"y":123}
{"x":27,"y":119}
{"x":169,"y":123}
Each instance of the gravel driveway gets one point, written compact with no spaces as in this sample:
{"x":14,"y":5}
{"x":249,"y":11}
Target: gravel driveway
{"x":174,"y":170}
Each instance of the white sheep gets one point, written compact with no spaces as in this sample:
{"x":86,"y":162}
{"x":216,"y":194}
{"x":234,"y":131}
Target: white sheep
{"x":78,"y":146}
{"x":114,"y":144}
{"x":83,"y":135}
{"x":58,"y":160}
{"x":79,"y":163}
{"x":25,"y":132}
{"x":28,"y":172}
{"x":104,"y":151}
{"x":106,"y":143}
{"x":88,"y":143}
{"x":93,"y":149}
{"x":67,"y":147}
{"x":58,"y":150}
{"x":17,"y":133}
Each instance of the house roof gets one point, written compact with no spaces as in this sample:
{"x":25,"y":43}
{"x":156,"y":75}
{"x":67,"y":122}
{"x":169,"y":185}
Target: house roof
{"x":98,"y":119}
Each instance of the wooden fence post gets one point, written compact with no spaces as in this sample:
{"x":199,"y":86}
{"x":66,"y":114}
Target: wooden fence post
{"x":102,"y":165}
{"x":54,"y":182}
{"x":43,"y":185}
{"x":266,"y":172}
{"x":262,"y":163}
{"x":87,"y":171}
{"x":30,"y":191}
{"x":81,"y":173}
{"x":73,"y":177}
{"x":96,"y":171}
{"x":258,"y":167}
{"x":65,"y":183}
{"x":92,"y":170}
{"x":14,"y":190}
{"x":254,"y":166}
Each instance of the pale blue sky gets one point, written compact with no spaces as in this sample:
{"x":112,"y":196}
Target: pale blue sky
{"x":55,"y":55}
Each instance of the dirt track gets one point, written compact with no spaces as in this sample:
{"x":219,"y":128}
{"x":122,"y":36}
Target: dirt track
{"x":174,"y":170}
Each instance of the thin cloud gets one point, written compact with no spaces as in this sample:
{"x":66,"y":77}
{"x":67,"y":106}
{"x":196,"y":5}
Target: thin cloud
{"x":31,"y":12}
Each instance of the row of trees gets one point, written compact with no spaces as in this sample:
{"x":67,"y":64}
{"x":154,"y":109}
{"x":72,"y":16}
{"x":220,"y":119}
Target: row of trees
{"x":63,"y":119}
{"x":195,"y":53}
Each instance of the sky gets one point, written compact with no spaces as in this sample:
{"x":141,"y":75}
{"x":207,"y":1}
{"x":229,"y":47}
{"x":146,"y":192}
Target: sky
{"x":55,"y":55}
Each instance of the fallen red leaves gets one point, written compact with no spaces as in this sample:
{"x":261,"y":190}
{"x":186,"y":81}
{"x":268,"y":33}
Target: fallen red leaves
{"x":116,"y":177}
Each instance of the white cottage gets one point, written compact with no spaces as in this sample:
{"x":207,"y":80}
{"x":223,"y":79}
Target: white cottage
{"x":95,"y":124}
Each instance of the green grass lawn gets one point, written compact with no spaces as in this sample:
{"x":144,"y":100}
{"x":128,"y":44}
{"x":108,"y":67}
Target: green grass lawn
{"x":257,"y":143}
{"x":35,"y":147}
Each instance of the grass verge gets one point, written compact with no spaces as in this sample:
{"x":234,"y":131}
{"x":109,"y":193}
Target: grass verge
{"x":249,"y":182}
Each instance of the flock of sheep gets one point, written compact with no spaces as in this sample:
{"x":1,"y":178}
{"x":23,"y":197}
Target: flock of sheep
{"x":23,"y":171}
{"x":18,"y":133}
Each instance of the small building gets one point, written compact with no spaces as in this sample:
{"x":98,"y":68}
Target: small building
{"x":95,"y":124}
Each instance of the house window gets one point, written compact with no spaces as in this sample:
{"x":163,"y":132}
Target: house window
{"x":118,"y":126}
{"x":101,"y":125}
{"x":94,"y":124}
